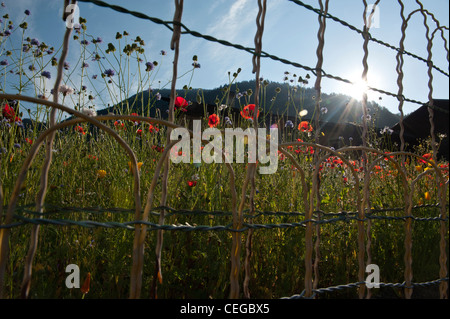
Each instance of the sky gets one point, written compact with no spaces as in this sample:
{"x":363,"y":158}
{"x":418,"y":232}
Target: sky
{"x":290,"y":33}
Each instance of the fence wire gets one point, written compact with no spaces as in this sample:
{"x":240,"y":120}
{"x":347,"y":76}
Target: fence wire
{"x":169,"y":25}
{"x":334,"y":217}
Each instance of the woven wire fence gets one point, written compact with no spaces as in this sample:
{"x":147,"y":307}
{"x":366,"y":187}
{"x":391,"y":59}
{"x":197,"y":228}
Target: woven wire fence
{"x":243,"y":221}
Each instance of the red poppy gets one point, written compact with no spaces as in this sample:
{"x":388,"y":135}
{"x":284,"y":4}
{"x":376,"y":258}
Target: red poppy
{"x":426,"y":156}
{"x":153,"y":129}
{"x":119,"y":124}
{"x":139,"y":132}
{"x":338,"y":161}
{"x":86,"y":284}
{"x":135,"y":114}
{"x":79,"y":129}
{"x":158,"y":148}
{"x":29,"y":141}
{"x":181,"y":103}
{"x":213,"y":120}
{"x":8,"y":112}
{"x":192,"y":183}
{"x":304,"y":126}
{"x":247,"y":112}
{"x":387,"y":153}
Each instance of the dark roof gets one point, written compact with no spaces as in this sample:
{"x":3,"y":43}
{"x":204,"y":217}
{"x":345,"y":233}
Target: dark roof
{"x":417,"y":126}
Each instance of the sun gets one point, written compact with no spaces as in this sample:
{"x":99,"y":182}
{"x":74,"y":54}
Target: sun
{"x":358,"y":87}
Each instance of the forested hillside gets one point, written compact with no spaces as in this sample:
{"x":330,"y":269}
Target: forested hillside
{"x":277,"y":98}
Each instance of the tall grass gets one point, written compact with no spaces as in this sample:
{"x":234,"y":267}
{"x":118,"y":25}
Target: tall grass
{"x":90,"y":170}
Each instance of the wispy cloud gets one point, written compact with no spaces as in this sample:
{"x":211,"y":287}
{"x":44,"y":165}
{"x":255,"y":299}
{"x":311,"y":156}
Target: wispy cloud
{"x":232,"y":23}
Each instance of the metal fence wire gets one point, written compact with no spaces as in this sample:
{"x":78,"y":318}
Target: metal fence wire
{"x":245,"y":221}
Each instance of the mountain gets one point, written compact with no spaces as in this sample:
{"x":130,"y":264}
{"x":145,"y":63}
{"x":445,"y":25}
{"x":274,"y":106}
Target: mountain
{"x":276,"y":98}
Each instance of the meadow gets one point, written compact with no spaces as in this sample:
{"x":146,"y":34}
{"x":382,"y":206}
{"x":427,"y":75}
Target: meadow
{"x":91,"y":180}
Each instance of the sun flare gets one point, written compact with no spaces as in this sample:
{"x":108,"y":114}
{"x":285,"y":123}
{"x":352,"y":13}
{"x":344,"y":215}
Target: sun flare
{"x":359,"y":87}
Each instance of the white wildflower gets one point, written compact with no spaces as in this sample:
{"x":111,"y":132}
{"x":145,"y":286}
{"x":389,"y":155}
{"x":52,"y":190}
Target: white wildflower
{"x":88,"y":112}
{"x":65,"y":90}
{"x":303,"y":113}
{"x":386,"y":129}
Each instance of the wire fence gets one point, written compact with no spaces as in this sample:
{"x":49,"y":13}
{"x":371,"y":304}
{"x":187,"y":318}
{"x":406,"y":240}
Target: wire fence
{"x":244,"y":221}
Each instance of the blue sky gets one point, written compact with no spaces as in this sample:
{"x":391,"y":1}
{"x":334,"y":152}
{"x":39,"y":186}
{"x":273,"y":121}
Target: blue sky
{"x":290,"y":33}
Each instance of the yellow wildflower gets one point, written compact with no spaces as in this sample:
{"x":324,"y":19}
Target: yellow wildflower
{"x":139,"y":164}
{"x":427,"y":196}
{"x":101,"y":173}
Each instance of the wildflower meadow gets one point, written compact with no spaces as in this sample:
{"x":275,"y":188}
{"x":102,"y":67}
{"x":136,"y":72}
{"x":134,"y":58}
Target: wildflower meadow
{"x":91,"y":183}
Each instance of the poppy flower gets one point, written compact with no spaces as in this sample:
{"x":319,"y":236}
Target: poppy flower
{"x":8,"y":113}
{"x":192,"y":183}
{"x":139,"y":132}
{"x":247,"y":112}
{"x":213,"y":120}
{"x":119,"y":124}
{"x":153,"y":129}
{"x":29,"y":141}
{"x":181,"y":103}
{"x":158,"y":148}
{"x":426,"y":156}
{"x":304,"y":126}
{"x":86,"y":284}
{"x":79,"y":129}
{"x":135,"y":114}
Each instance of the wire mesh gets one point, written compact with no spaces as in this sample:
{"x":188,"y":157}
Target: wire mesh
{"x":244,"y":220}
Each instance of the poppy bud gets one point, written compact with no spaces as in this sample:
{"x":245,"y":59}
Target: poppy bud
{"x":86,"y":284}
